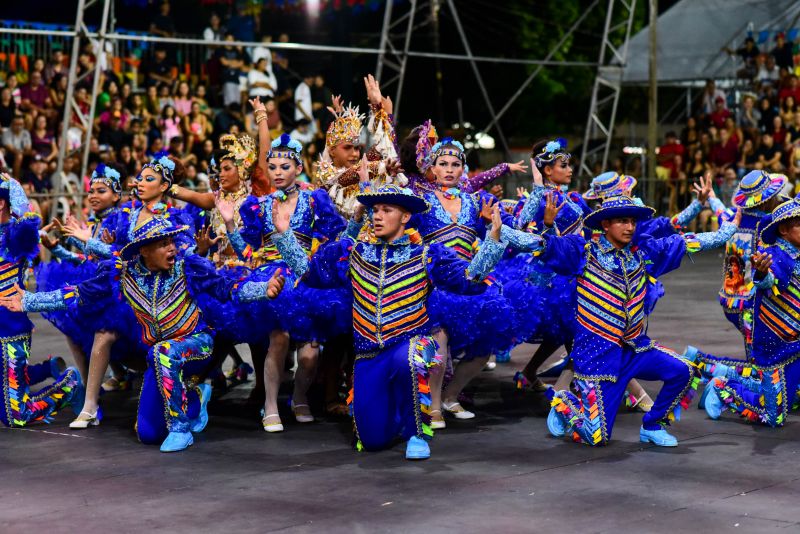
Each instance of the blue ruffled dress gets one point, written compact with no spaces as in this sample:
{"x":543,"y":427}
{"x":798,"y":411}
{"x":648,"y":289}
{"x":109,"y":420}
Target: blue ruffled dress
{"x":308,"y":314}
{"x":476,"y":325}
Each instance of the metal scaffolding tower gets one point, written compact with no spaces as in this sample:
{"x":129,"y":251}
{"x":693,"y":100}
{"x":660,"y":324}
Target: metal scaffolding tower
{"x":607,"y":84}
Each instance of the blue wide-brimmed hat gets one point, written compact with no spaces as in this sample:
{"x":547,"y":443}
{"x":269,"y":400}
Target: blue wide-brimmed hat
{"x":395,"y":195}
{"x":768,"y":227}
{"x":758,"y":187}
{"x":153,"y":229}
{"x":616,"y":208}
{"x":609,"y":184}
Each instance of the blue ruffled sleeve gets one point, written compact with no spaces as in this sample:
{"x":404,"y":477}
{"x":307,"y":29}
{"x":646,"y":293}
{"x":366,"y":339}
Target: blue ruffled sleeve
{"x":89,"y":291}
{"x":21,"y":238}
{"x":780,"y":271}
{"x":532,"y":211}
{"x":328,"y":224}
{"x":66,"y":255}
{"x":665,"y":254}
{"x":657,"y":227}
{"x":524,"y":241}
{"x":449,"y":272}
{"x":564,"y":255}
{"x":686,"y":216}
{"x":252,"y":229}
{"x":330,"y":266}
{"x":202,"y":278}
{"x":486,"y":259}
{"x":98,"y":248}
{"x":291,"y":252}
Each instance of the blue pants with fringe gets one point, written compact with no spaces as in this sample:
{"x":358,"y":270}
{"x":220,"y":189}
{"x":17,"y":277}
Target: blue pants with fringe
{"x":166,"y":404}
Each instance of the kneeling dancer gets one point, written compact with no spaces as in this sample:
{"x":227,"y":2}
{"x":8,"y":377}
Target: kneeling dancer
{"x":167,"y":294}
{"x":391,"y":278}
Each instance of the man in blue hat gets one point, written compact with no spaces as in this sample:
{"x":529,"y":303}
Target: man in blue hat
{"x":19,"y":244}
{"x":765,"y":393}
{"x":611,"y":345}
{"x":167,"y":294}
{"x":391,"y":276}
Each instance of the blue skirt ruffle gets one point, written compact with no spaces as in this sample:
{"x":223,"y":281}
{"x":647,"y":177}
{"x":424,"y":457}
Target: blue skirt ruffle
{"x":308,"y":314}
{"x":476,"y":325}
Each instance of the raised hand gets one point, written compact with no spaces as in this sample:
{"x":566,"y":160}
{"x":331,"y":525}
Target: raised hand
{"x":518,"y":166}
{"x":738,"y":217}
{"x":257,"y":104}
{"x":47,"y":242}
{"x":281,"y":220}
{"x":13,"y":302}
{"x":108,"y":237}
{"x":393,"y":167}
{"x":487,"y":210}
{"x":204,"y":240}
{"x":704,"y":189}
{"x":761,"y":262}
{"x":373,"y":90}
{"x":497,"y":222}
{"x":537,"y":176}
{"x":275,"y":284}
{"x":226,"y":208}
{"x":522,"y":192}
{"x":551,"y":208}
{"x":336,"y":106}
{"x":74,"y":229}
{"x":387,"y":105}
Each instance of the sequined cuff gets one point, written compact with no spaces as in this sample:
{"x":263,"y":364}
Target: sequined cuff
{"x":237,"y":242}
{"x":765,"y":283}
{"x":291,"y":252}
{"x":519,"y":240}
{"x":691,"y":211}
{"x":483,"y":179}
{"x":43,"y":302}
{"x":353,"y":229}
{"x":253,"y":291}
{"x":65,"y":255}
{"x":486,"y":259}
{"x":709,"y":240}
{"x":76,"y":243}
{"x":716,"y":206}
{"x":96,"y":247}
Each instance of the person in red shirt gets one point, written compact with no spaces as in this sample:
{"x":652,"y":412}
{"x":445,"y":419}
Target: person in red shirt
{"x":720,"y":113}
{"x":792,"y":89}
{"x":724,"y":153}
{"x":35,"y":96}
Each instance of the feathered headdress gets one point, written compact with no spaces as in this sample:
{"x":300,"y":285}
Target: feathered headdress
{"x":427,"y":139}
{"x":286,"y":147}
{"x":163,"y":166}
{"x":109,"y":176}
{"x":552,"y":151}
{"x":242,"y":151}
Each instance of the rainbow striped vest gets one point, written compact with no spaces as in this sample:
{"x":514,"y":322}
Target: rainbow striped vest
{"x":390,"y":292}
{"x":611,"y":300}
{"x":161,"y":302}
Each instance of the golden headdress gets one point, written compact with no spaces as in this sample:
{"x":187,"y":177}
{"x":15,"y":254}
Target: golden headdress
{"x":345,"y":128}
{"x":242,"y":150}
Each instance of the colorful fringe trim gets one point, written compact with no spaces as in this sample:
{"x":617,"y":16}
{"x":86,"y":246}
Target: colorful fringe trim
{"x":584,"y":419}
{"x":424,"y":356}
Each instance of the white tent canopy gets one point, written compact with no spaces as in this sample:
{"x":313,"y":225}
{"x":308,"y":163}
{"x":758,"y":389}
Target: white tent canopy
{"x":692,"y":33}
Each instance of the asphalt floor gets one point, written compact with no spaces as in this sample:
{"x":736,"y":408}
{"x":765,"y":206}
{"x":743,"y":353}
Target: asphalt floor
{"x":500,"y":472}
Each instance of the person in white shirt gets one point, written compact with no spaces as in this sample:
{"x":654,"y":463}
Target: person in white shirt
{"x":261,"y":81}
{"x":302,"y":100}
{"x":303,"y":132}
{"x":710,"y":95}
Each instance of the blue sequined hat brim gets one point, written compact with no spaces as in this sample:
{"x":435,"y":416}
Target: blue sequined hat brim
{"x":640,"y":213}
{"x":413,"y":204}
{"x":130,"y":250}
{"x":769,"y":233}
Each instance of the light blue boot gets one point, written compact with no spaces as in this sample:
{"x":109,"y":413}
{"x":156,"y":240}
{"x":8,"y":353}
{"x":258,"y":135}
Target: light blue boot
{"x":199,"y":423}
{"x":417,"y":449}
{"x":177,"y":441}
{"x":659,"y":437}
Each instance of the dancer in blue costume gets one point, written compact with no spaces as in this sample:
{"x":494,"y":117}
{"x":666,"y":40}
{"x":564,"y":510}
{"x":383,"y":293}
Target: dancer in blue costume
{"x":466,"y":325}
{"x":19,"y":244}
{"x":758,"y":194}
{"x":390,"y":278}
{"x":765,"y":391}
{"x":98,"y":335}
{"x":415,"y":148}
{"x":532,"y":288}
{"x":167,"y":294}
{"x":303,"y":314}
{"x":611,"y":345}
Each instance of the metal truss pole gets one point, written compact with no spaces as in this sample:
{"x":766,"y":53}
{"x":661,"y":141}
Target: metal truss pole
{"x":391,"y":58}
{"x":477,"y":73}
{"x":607,"y":85}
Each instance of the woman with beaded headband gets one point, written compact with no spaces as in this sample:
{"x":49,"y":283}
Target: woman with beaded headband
{"x":302,"y":314}
{"x":415,"y":148}
{"x":88,"y":332}
{"x":234,"y":169}
{"x":533,"y":289}
{"x":339,"y":164}
{"x":467,"y":324}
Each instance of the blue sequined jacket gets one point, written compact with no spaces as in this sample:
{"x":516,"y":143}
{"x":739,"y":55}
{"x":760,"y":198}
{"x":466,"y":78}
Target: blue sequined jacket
{"x":612,"y":290}
{"x":390,"y":281}
{"x":166,"y":305}
{"x":776,"y":310}
{"x":19,"y":244}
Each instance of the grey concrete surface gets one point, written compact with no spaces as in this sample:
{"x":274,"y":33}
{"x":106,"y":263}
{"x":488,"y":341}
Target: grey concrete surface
{"x":500,"y":472}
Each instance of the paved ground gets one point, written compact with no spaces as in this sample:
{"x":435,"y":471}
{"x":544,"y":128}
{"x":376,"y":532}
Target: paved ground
{"x":499,"y":472}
